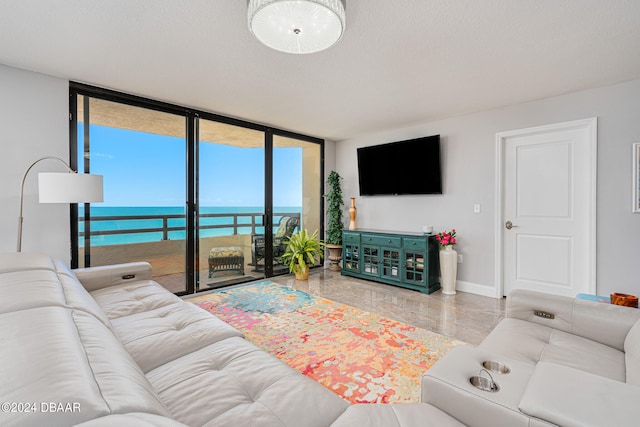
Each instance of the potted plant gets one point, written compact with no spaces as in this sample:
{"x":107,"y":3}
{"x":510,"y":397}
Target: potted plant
{"x":303,"y":250}
{"x":335,"y":224}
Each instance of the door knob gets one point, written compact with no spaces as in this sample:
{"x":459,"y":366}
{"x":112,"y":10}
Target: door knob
{"x":509,"y":225}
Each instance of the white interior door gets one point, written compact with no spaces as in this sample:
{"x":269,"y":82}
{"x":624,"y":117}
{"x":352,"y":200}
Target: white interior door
{"x":547,"y":221}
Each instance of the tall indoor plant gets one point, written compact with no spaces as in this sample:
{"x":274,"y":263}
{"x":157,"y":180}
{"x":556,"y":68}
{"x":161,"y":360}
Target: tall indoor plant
{"x":335,"y":225}
{"x":303,"y":250}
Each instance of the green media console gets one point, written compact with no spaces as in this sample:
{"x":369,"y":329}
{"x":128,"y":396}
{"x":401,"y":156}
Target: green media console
{"x":409,"y":260}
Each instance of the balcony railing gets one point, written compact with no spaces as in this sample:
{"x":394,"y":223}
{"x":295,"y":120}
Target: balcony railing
{"x":234,"y":223}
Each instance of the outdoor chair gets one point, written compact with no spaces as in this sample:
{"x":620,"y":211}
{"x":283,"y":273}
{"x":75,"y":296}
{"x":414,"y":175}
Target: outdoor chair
{"x":286,"y":227}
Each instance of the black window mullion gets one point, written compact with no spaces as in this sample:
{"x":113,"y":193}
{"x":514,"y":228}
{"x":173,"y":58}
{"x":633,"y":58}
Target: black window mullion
{"x":73,"y":162}
{"x":192,"y":260}
{"x":268,"y":203}
{"x":87,"y":169}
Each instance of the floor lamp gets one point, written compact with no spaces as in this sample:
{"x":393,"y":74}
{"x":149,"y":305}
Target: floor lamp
{"x":62,"y":187}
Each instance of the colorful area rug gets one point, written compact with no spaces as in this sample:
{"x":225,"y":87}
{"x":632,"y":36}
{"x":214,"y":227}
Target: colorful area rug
{"x":360,"y":356}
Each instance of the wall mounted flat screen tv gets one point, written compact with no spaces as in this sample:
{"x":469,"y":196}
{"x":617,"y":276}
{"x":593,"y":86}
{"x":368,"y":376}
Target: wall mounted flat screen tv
{"x":403,"y":167}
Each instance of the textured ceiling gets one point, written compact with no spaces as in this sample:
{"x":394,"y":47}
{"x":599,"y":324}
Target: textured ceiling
{"x":400,"y":62}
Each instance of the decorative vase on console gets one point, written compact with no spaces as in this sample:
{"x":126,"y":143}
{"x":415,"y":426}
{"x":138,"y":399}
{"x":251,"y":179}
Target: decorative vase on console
{"x":352,"y":215}
{"x":448,"y":261}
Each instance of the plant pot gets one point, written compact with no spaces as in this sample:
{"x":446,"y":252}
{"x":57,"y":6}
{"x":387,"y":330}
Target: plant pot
{"x":302,"y":273}
{"x":335,"y":255}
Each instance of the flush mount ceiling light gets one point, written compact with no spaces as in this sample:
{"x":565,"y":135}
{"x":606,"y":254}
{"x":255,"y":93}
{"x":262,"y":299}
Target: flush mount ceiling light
{"x":297,"y":26}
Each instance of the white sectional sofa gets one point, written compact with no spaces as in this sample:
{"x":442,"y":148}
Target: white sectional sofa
{"x":572,"y":363}
{"x":108,"y":346}
{"x":121,"y":350}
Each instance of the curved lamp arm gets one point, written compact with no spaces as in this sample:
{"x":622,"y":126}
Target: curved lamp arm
{"x":91,"y":191}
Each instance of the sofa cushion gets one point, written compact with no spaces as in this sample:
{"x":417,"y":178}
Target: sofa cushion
{"x":65,"y":356}
{"x":405,"y":415}
{"x":158,"y":336}
{"x":131,"y":298}
{"x":233,"y":383}
{"x":23,"y":261}
{"x":76,"y":295}
{"x":572,"y":398}
{"x":632,"y":354}
{"x":43,"y":282}
{"x":22,"y":290}
{"x":532,"y":343}
{"x":132,"y":420}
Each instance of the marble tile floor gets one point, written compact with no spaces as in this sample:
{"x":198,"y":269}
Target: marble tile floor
{"x":464,"y":316}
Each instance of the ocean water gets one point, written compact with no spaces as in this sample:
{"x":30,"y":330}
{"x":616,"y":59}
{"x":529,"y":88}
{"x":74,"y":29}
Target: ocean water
{"x":155,"y":220}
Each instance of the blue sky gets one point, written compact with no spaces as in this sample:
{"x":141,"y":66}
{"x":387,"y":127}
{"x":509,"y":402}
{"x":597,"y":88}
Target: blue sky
{"x":142,"y":169}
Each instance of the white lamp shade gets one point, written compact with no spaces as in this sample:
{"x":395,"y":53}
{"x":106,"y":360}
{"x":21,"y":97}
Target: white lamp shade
{"x":297,"y":26}
{"x":69,"y":188}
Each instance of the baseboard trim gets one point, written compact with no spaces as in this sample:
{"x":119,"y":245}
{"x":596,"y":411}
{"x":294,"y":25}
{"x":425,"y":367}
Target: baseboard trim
{"x":475,"y":288}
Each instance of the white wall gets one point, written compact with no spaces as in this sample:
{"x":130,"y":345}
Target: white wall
{"x":468,"y":145}
{"x":34,"y":123}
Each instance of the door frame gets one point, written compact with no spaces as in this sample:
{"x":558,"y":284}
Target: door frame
{"x":591,"y":125}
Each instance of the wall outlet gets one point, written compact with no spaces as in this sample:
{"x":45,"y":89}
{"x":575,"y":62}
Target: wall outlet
{"x":460,"y":258}
{"x":476,"y":208}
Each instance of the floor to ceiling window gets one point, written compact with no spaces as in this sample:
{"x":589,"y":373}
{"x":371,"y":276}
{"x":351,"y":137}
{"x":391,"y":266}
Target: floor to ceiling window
{"x":207,"y":200}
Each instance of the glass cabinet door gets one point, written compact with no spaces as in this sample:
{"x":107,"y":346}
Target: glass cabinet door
{"x":391,"y":263}
{"x":370,"y":257}
{"x":351,"y":261}
{"x":414,"y":266}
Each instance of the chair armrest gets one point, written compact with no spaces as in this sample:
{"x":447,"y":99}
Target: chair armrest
{"x":94,"y":278}
{"x":569,"y":397}
{"x":605,"y":323}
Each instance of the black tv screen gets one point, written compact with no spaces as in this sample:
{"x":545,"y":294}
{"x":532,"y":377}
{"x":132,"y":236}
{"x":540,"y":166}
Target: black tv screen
{"x":403,"y":167}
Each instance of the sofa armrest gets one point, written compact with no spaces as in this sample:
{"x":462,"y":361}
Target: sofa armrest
{"x":605,"y":323}
{"x":569,"y":397}
{"x":94,"y":278}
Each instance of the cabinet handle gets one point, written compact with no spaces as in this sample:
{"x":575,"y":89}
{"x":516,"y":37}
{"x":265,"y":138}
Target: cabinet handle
{"x":414,"y":243}
{"x":389,"y":241}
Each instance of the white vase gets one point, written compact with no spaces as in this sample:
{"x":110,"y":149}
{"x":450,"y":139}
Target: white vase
{"x":448,"y":270}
